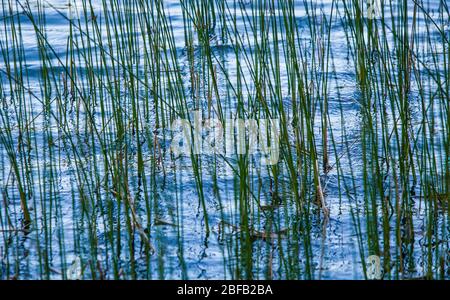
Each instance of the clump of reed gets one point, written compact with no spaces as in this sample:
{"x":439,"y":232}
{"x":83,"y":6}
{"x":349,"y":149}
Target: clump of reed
{"x":87,"y":174}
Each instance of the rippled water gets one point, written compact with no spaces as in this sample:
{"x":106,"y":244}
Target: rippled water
{"x":176,"y":225}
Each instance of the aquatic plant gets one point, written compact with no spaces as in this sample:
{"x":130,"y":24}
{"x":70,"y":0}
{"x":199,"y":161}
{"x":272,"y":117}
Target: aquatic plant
{"x":91,"y":93}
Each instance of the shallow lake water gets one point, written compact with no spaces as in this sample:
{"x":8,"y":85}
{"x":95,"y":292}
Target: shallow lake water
{"x":79,"y":224}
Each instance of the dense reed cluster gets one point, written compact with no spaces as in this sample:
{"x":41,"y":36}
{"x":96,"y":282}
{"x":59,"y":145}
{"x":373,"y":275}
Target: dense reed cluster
{"x":90,"y":89}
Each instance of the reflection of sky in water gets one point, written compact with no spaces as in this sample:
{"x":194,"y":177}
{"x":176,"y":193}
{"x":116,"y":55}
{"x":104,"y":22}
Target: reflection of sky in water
{"x":336,"y":254}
